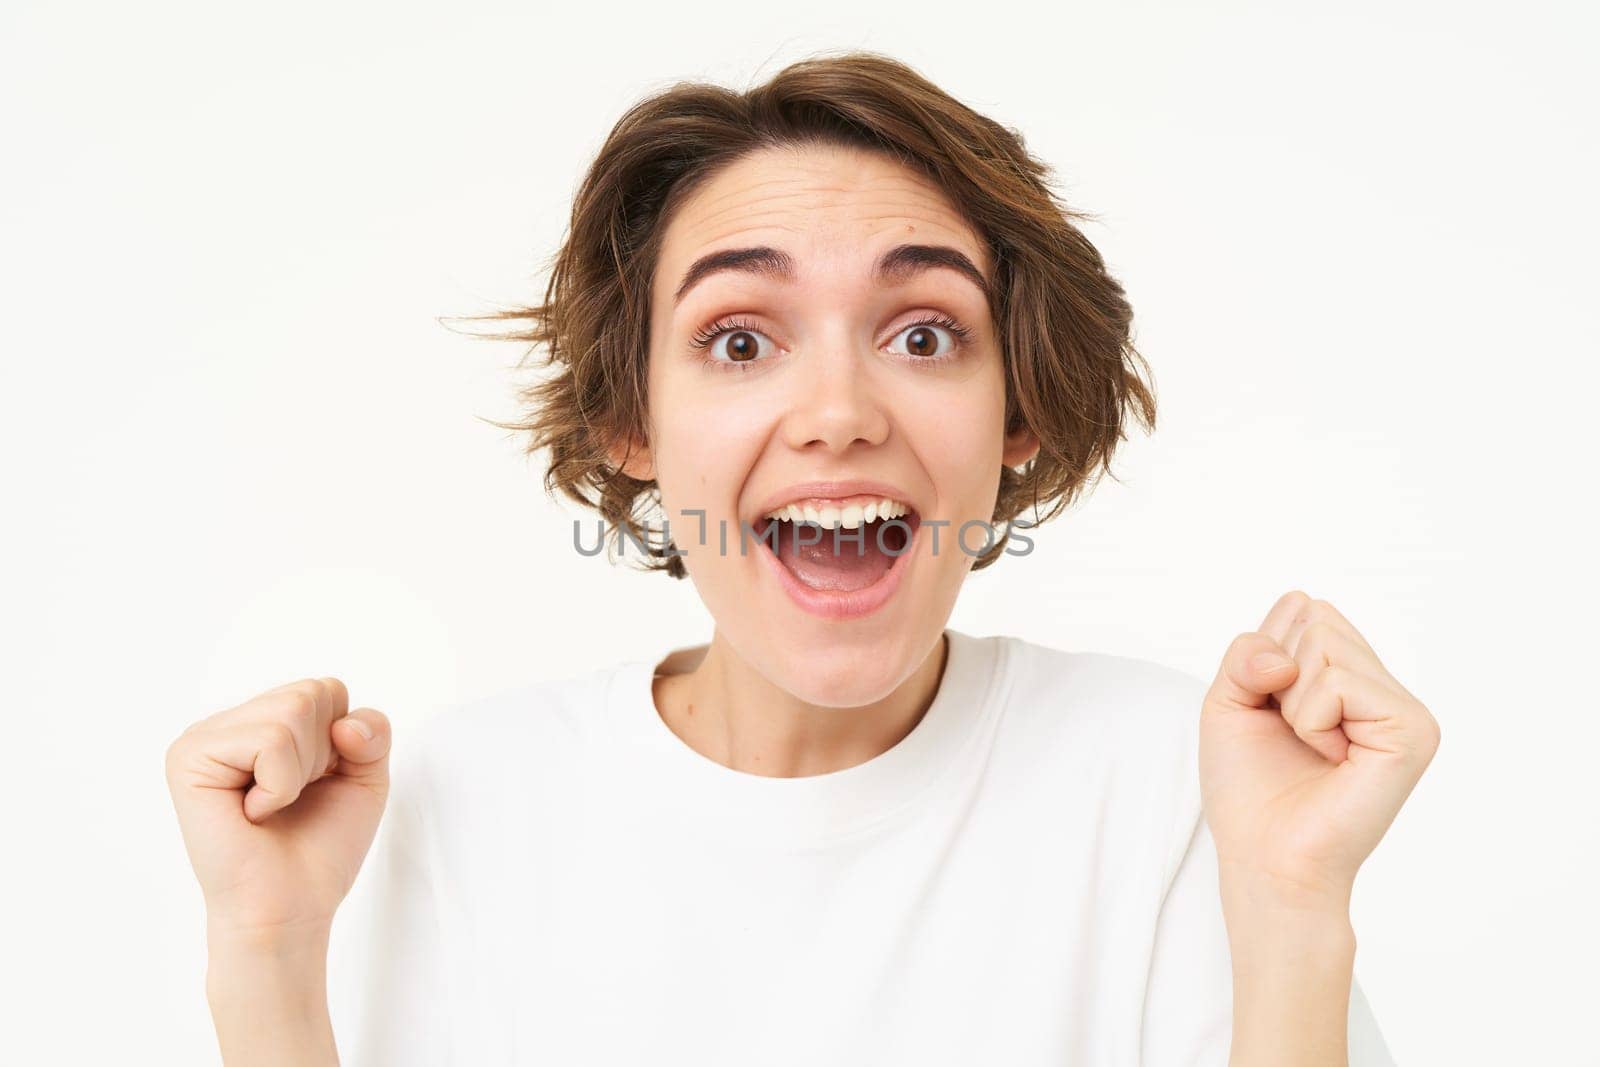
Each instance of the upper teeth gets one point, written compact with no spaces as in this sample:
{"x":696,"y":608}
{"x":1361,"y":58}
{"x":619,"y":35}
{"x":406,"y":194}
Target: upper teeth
{"x":850,"y":517}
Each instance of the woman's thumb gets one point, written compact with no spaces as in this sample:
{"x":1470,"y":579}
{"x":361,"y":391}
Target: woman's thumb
{"x":1253,"y":667}
{"x":362,"y":740}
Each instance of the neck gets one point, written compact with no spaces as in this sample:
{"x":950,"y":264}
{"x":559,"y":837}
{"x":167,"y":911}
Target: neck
{"x":729,"y":712}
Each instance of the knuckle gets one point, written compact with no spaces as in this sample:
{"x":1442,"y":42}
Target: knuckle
{"x":281,"y":738}
{"x":1430,"y":730}
{"x":335,"y":688}
{"x":1333,"y":678}
{"x":1289,"y":707}
{"x":282,"y":794}
{"x":177,"y":752}
{"x":1317,"y":632}
{"x":299,"y":706}
{"x":1422,"y":742}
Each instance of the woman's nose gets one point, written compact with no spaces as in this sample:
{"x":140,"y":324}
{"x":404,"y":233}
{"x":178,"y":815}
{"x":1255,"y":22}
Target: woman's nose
{"x":836,"y":401}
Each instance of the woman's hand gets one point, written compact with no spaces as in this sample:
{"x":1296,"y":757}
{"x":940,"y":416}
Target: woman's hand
{"x":278,"y":800}
{"x":1308,"y":748}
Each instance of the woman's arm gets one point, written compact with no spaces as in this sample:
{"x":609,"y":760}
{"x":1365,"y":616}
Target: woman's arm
{"x":1190,"y":999}
{"x":1308,"y":748}
{"x":1293,"y":965}
{"x":278,"y":800}
{"x":268,"y":997}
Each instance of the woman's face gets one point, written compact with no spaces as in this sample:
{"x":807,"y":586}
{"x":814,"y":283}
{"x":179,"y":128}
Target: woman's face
{"x":785,"y":374}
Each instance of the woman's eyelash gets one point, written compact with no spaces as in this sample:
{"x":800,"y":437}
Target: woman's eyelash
{"x":961,"y":332}
{"x":706,"y":336}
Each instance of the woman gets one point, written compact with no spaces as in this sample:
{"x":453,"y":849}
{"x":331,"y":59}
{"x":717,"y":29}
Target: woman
{"x":840,"y":332}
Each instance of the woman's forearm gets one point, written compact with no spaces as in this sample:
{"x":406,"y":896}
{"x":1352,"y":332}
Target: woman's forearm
{"x":1293,"y":964}
{"x":269,"y":999}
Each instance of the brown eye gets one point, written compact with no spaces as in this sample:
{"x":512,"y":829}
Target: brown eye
{"x":922,"y":341}
{"x":728,"y":342}
{"x":742,"y":345}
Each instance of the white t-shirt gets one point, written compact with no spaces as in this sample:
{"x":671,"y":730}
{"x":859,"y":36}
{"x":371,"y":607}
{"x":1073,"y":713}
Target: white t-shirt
{"x":1024,"y":879}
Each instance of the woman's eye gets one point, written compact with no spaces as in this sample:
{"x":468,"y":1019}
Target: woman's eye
{"x":922,"y":341}
{"x":736,"y":345}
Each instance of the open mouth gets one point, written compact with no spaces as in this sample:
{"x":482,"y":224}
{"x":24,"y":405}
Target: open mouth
{"x":834,"y":550}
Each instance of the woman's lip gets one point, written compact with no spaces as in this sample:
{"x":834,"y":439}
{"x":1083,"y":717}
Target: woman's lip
{"x":850,"y":604}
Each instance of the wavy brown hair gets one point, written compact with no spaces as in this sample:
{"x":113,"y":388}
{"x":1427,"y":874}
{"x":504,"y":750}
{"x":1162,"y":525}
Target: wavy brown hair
{"x":1063,"y":323}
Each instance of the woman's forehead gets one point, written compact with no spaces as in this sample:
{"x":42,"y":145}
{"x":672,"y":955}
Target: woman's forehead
{"x":814,"y":203}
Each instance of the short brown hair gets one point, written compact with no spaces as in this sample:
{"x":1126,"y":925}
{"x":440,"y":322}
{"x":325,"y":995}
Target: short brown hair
{"x":1063,"y":323}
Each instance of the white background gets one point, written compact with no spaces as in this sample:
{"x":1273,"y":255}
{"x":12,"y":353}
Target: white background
{"x":238,"y":449}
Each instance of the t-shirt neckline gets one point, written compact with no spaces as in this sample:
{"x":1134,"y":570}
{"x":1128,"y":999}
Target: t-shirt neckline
{"x":684,"y":784}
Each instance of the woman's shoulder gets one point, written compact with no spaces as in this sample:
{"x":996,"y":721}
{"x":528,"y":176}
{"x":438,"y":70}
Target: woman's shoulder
{"x":1123,"y":721}
{"x":1059,"y":683}
{"x":1109,"y":738}
{"x":530,"y":722}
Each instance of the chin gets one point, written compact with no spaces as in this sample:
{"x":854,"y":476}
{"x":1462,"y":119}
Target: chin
{"x":833,"y":663}
{"x":846,"y":672}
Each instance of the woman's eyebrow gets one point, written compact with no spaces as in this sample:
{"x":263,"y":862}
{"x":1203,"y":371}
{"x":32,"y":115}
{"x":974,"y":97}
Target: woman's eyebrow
{"x":894,"y":266}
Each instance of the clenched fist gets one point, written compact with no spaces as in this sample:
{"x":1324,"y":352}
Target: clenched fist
{"x":1308,"y":748}
{"x":279,"y":800}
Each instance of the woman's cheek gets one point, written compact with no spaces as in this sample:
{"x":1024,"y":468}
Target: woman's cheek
{"x":703,"y":459}
{"x":959,"y":434}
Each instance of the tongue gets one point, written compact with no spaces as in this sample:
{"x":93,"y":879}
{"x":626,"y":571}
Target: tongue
{"x":852,"y":566}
